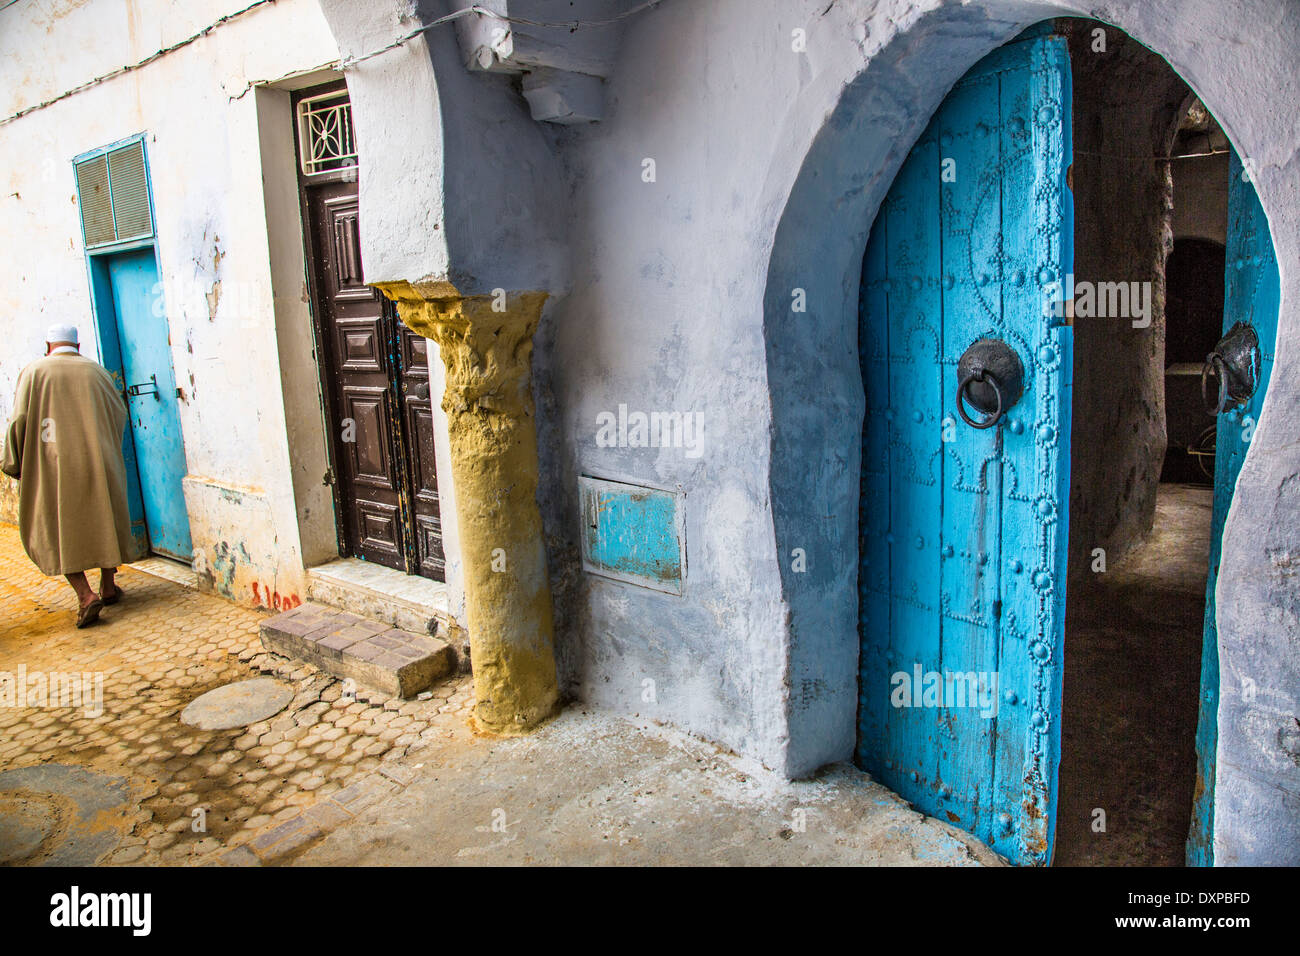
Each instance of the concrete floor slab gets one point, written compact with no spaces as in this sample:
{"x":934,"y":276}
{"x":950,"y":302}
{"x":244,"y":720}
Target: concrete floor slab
{"x":1133,"y":639}
{"x":169,"y":570}
{"x":597,"y":789}
{"x":406,"y":601}
{"x":60,"y":815}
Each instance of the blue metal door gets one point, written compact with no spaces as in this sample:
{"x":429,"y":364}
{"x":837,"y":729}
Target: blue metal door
{"x":151,"y":400}
{"x":1252,"y":294}
{"x":963,"y":530}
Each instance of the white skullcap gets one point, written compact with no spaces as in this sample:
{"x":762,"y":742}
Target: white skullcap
{"x":62,"y":332}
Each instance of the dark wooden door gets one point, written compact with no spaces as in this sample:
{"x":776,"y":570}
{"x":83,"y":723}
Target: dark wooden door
{"x":417,"y":428}
{"x":376,"y":381}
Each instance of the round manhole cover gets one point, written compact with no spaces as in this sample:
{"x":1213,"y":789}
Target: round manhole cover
{"x":237,"y":705}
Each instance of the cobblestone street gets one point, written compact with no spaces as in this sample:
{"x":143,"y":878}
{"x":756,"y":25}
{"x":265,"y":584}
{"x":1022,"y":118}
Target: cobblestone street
{"x":334,"y":781}
{"x":267,"y":788}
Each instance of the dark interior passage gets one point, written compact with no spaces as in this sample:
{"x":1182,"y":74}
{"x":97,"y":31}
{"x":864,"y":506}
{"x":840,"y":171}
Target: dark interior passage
{"x":1194,"y":320}
{"x":1150,"y":187}
{"x":1132,"y":670}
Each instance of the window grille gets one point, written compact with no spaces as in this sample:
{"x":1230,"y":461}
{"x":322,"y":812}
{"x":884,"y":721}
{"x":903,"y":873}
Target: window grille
{"x":113,"y":194}
{"x":325,"y":138}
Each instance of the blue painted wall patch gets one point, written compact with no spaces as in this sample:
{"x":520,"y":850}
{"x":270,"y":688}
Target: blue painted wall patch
{"x":633,"y":533}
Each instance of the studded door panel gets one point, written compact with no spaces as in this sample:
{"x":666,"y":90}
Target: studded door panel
{"x":962,"y":547}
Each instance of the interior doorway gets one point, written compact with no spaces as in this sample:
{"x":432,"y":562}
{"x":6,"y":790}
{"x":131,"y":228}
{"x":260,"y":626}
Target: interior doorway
{"x":374,"y":370}
{"x":1139,"y":716}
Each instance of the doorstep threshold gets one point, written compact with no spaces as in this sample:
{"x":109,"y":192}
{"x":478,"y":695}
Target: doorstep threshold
{"x":371,"y":590}
{"x":169,"y":569}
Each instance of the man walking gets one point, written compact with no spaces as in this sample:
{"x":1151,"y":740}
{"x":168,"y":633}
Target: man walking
{"x":64,"y":445}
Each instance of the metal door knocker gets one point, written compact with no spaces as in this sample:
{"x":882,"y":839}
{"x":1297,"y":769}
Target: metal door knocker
{"x":990,"y":379}
{"x":1235,"y":362}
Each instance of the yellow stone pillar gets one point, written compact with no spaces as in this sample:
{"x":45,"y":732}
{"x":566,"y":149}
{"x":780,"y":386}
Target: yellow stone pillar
{"x":486,"y":344}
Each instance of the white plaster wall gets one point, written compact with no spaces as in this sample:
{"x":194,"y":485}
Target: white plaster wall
{"x":299,"y":375}
{"x":663,"y":316}
{"x":205,"y":162}
{"x":667,"y":313}
{"x":394,"y":100}
{"x":474,"y":194}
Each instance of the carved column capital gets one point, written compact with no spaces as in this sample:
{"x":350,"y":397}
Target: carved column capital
{"x":486,"y":343}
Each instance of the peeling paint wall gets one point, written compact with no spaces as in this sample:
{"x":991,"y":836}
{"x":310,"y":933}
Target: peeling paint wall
{"x":199,"y":111}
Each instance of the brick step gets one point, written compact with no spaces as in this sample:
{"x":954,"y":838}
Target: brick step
{"x":374,"y":653}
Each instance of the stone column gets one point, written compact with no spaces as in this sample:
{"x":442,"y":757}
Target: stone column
{"x":486,"y":345}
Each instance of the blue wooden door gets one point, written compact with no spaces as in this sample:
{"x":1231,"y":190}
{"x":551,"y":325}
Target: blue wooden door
{"x":963,"y":531}
{"x":1252,"y":294}
{"x":151,"y":400}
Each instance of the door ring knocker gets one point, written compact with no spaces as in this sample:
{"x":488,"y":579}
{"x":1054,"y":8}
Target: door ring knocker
{"x":980,"y":376}
{"x":990,"y":378}
{"x":1214,"y":361}
{"x":1236,"y":362}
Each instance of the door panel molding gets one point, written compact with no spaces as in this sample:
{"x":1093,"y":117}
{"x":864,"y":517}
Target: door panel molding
{"x":370,"y":449}
{"x":359,"y":344}
{"x":380,"y":526}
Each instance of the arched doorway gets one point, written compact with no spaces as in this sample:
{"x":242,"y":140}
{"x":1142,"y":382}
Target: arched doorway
{"x":968,"y":531}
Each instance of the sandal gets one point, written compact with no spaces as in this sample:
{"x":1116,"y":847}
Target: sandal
{"x":117,"y":596}
{"x":90,"y":613}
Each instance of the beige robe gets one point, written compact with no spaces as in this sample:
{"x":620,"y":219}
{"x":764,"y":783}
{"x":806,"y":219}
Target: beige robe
{"x":64,"y":445}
